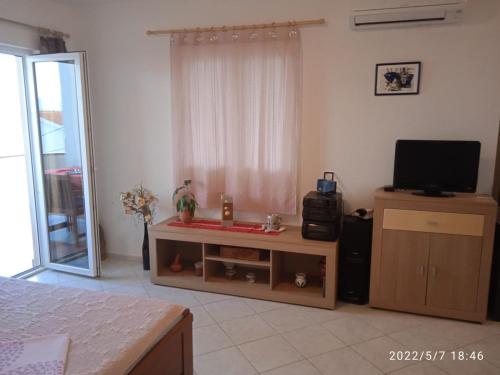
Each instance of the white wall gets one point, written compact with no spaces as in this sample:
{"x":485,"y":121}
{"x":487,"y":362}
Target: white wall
{"x":345,"y":128}
{"x":42,"y":13}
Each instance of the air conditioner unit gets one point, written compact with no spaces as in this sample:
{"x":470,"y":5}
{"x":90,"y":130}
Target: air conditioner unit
{"x":371,"y":14}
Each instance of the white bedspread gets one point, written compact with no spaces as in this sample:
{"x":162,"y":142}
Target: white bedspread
{"x":109,"y":333}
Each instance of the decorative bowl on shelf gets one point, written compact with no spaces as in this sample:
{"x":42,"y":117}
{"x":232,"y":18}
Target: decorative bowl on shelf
{"x":229,"y":265}
{"x":230,"y":274}
{"x":250,"y":276}
{"x":198,"y":268}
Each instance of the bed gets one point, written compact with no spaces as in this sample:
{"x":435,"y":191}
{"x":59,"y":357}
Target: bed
{"x":109,"y":334}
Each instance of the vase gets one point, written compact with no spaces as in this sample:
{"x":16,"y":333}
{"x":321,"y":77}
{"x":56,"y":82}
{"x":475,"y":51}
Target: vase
{"x":185,"y":216}
{"x":145,"y":249}
{"x":176,"y":265}
{"x":300,"y":280}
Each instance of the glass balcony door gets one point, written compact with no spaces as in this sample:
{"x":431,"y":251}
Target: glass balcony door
{"x":19,"y":251}
{"x":60,"y":124}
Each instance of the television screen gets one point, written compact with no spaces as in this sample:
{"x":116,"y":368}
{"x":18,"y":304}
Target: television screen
{"x":435,"y":166}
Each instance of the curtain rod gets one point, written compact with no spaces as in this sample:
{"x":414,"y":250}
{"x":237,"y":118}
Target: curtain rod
{"x":319,"y":21}
{"x":37,"y":28}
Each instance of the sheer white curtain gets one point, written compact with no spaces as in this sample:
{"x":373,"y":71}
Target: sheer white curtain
{"x":236,"y":112}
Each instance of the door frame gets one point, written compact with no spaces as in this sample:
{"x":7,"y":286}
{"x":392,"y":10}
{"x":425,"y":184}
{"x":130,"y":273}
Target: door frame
{"x":87,"y":160}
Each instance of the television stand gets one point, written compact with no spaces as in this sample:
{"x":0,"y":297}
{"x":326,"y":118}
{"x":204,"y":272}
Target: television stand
{"x":432,"y":256}
{"x":434,"y":193}
{"x":280,"y":258}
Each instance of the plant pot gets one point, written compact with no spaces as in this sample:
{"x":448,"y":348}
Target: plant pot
{"x":185,"y":216}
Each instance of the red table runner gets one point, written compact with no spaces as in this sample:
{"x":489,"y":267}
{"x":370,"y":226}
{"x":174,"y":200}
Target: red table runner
{"x":216,"y":225}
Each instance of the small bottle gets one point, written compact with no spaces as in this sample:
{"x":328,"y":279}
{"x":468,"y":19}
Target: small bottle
{"x":227,"y":210}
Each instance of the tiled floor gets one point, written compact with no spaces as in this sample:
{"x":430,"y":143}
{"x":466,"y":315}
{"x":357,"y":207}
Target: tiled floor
{"x":239,"y":336}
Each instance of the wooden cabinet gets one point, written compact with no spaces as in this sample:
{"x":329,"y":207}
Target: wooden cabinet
{"x":279,"y":259}
{"x":432,"y":255}
{"x":454,"y":266}
{"x":403,"y":267}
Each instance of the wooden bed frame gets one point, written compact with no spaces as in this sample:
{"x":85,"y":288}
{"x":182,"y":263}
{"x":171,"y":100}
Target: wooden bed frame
{"x":173,"y":354}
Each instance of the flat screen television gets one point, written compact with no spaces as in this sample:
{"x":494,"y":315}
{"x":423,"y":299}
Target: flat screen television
{"x":436,"y":168}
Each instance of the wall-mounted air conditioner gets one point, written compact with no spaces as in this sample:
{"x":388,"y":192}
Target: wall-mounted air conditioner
{"x":371,"y":14}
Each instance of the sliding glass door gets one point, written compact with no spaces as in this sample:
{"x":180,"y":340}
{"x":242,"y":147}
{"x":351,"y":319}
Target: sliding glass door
{"x":62,"y":154}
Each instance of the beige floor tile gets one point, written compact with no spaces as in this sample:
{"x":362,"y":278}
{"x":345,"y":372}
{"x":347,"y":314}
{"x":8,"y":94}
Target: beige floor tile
{"x":377,"y":352}
{"x":174,"y":295}
{"x":259,"y":305}
{"x":227,"y":361}
{"x":422,"y":339}
{"x":490,"y":348}
{"x":209,"y":339}
{"x":390,"y":321}
{"x":269,"y":353}
{"x":316,"y":315}
{"x":201,"y":317}
{"x":248,"y":328}
{"x":297,"y":368}
{"x":228,"y":309}
{"x":469,"y":367}
{"x":121,"y":281}
{"x":135,"y":290}
{"x":205,"y":297}
{"x":352,"y":330}
{"x":423,"y":368}
{"x":287,"y":319}
{"x":46,"y":277}
{"x":343,"y":361}
{"x":313,"y":340}
{"x":293,"y":317}
{"x":463,"y":333}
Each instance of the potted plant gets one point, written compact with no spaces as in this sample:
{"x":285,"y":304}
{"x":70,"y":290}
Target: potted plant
{"x":185,"y":202}
{"x":140,"y":202}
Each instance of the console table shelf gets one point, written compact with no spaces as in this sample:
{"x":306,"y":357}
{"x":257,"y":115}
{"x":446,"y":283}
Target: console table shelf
{"x":281,"y":257}
{"x":253,"y":263}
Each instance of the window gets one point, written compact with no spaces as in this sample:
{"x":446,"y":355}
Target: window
{"x":236,"y":113}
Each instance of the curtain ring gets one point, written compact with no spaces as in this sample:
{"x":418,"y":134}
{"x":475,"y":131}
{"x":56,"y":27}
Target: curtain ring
{"x":253,"y":34}
{"x":198,"y":37}
{"x":272,"y":33}
{"x":292,"y":34}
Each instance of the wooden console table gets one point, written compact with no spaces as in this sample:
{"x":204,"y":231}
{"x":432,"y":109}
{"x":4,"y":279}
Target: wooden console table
{"x":280,"y":258}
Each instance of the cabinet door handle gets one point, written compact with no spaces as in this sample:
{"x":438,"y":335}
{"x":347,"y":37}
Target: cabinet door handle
{"x":432,"y":222}
{"x":433,"y":271}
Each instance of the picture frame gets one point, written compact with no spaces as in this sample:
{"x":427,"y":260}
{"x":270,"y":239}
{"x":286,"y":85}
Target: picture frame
{"x":401,"y":78}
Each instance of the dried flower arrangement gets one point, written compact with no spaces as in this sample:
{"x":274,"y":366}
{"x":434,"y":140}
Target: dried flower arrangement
{"x":139,"y":201}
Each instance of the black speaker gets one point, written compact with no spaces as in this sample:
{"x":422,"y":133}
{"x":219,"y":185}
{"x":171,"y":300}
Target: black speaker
{"x":354,"y":259}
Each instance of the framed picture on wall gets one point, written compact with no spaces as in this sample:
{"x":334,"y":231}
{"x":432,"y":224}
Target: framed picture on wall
{"x":397,"y":78}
